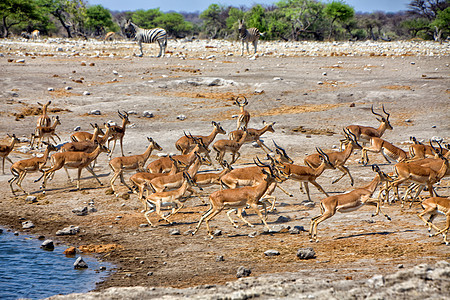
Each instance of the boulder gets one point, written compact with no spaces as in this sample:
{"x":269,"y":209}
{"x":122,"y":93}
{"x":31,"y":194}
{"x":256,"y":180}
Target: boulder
{"x":48,"y":245}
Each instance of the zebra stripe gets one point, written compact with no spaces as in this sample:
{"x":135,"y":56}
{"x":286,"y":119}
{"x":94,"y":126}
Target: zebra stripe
{"x":250,"y":35}
{"x":148,"y":36}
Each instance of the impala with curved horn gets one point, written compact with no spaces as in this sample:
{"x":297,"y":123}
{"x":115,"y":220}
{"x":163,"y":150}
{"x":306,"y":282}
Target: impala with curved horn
{"x":244,"y":116}
{"x":365,"y":133}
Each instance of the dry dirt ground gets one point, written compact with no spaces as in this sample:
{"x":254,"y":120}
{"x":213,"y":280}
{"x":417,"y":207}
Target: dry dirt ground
{"x":309,"y":94}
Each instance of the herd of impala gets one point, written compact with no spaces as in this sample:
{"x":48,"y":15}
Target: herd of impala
{"x":169,"y":181}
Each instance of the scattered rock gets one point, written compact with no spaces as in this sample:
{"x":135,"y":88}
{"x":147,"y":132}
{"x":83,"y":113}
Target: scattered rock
{"x":68,"y":88}
{"x":71,"y":230}
{"x":283,"y":219}
{"x":253,"y":234}
{"x":31,"y":199}
{"x":20,"y":61}
{"x":306,"y":253}
{"x":80,"y":264}
{"x":70,"y":251}
{"x":78,"y":128}
{"x":48,"y":245}
{"x":243,"y":272}
{"x":376,"y":281}
{"x":174,"y":231}
{"x":220,"y":258}
{"x":296,"y":230}
{"x":181,"y":117}
{"x":149,"y":273}
{"x":27,"y":225}
{"x":115,"y":72}
{"x":80,"y":211}
{"x":86,"y":93}
{"x":271,"y":252}
{"x":95,"y":112}
{"x":217,"y":232}
{"x":50,"y":89}
{"x":148,"y":114}
{"x":319,"y":82}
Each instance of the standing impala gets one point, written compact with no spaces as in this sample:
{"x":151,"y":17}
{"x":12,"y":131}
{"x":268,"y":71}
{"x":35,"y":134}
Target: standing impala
{"x":118,"y":132}
{"x":253,"y":135}
{"x":244,"y":116}
{"x":349,"y":202}
{"x":186,"y":143}
{"x":44,"y":120}
{"x":46,"y":132}
{"x":435,"y":206}
{"x":84,"y":135}
{"x":5,"y":150}
{"x":365,"y":133}
{"x":74,"y":160}
{"x":338,"y":159}
{"x":21,"y":168}
{"x":240,"y":198}
{"x":134,"y":162}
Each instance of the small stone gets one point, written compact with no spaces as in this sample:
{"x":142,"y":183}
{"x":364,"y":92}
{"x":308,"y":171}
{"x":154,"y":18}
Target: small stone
{"x":15,"y":94}
{"x":147,"y":114}
{"x":59,"y":49}
{"x":71,"y":230}
{"x":324,"y":74}
{"x":308,"y":203}
{"x":181,"y":117}
{"x":70,"y":251}
{"x":413,"y":63}
{"x":277,"y":78}
{"x":78,"y":128}
{"x":253,"y":234}
{"x":115,"y":72}
{"x":259,"y":91}
{"x":50,"y":89}
{"x":400,"y":266}
{"x":220,"y":258}
{"x":271,"y":252}
{"x":92,"y":64}
{"x":243,"y":272}
{"x":283,"y":219}
{"x":31,"y":199}
{"x":319,"y":82}
{"x":80,"y":211}
{"x":27,"y":225}
{"x":174,"y":231}
{"x":217,"y":232}
{"x":376,"y":281}
{"x":306,"y":253}
{"x":143,"y":225}
{"x":296,"y":230}
{"x":95,"y":112}
{"x":149,"y":273}
{"x":102,"y":268}
{"x":20,"y":61}
{"x":408,"y":120}
{"x":92,"y":210}
{"x":80,"y":264}
{"x":352,"y":104}
{"x":48,"y":245}
{"x":86,"y":93}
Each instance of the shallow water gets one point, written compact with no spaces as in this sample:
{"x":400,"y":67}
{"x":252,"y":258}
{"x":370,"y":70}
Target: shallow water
{"x":27,"y":271}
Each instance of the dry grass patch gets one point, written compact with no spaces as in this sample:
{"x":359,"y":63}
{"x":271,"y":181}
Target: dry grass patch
{"x":397,"y":87}
{"x":299,"y":109}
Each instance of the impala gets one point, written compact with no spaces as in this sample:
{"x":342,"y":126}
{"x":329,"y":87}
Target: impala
{"x":84,"y":135}
{"x":74,"y":160}
{"x":389,"y":151}
{"x":435,"y":206}
{"x":306,"y":175}
{"x":364,"y":133}
{"x":134,"y":162}
{"x":163,"y":183}
{"x":223,"y":146}
{"x":141,"y":180}
{"x":208,"y":179}
{"x":46,"y":132}
{"x":424,"y":172}
{"x":338,"y":159}
{"x":422,"y":175}
{"x":244,"y":116}
{"x":164,"y":164}
{"x":170,"y":198}
{"x":420,"y":151}
{"x":118,"y":132}
{"x":349,"y":202}
{"x":186,"y":143}
{"x":21,"y":168}
{"x":240,"y":198}
{"x":84,"y":145}
{"x":254,"y":135}
{"x":44,"y":120}
{"x":5,"y":150}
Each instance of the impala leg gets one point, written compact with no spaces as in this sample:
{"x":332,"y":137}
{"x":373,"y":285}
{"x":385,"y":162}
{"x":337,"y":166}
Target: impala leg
{"x":67,"y":172}
{"x":19,"y":182}
{"x":444,"y":231}
{"x":93,"y":173}
{"x":345,"y":171}
{"x":208,"y":218}
{"x":258,"y":212}
{"x":306,"y":189}
{"x":113,"y":179}
{"x":123,"y":181}
{"x":121,"y":145}
{"x":147,"y":213}
{"x":320,"y":219}
{"x":229,"y":212}
{"x":286,"y":192}
{"x":313,"y":182}
{"x":377,"y":204}
{"x":3,"y":165}
{"x":206,"y":214}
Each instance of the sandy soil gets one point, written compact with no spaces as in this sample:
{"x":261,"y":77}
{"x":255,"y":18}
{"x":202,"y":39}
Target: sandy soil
{"x":309,"y":95}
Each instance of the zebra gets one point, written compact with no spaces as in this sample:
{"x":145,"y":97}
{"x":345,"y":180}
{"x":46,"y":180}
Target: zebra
{"x":148,"y":36}
{"x":250,"y":35}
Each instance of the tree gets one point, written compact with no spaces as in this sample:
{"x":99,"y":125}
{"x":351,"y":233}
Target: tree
{"x":174,"y":24}
{"x":442,"y":24}
{"x":427,"y":8}
{"x":70,"y":13}
{"x":98,"y":19}
{"x":338,"y":11}
{"x":214,"y":20}
{"x":255,"y":17}
{"x":305,"y":18}
{"x":13,"y":12}
{"x":146,"y":18}
{"x":234,"y":15}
